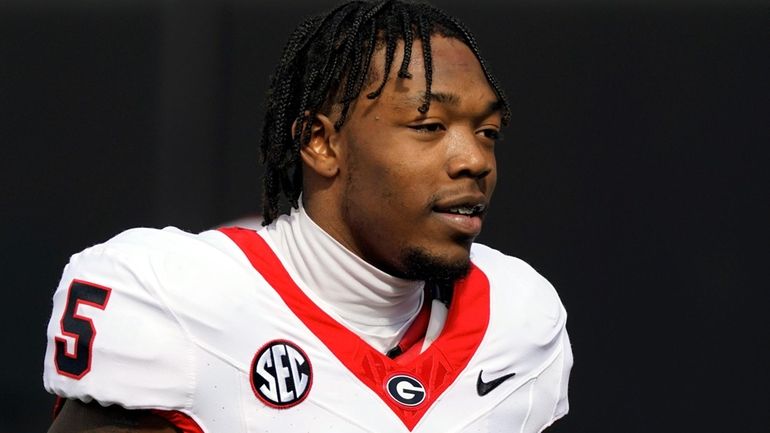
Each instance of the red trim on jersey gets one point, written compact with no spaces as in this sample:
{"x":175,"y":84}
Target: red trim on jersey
{"x":58,"y":405}
{"x":180,"y":420}
{"x":411,"y":342}
{"x":436,"y":368}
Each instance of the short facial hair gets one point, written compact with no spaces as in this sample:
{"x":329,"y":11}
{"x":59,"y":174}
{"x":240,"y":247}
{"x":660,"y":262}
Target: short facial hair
{"x":419,"y":264}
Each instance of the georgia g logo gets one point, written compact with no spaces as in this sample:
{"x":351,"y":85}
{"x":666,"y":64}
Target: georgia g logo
{"x":405,"y":390}
{"x":281,"y":375}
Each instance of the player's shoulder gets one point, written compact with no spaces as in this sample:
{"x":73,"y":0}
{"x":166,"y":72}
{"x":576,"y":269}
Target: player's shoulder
{"x":509,"y":269}
{"x":167,"y":273}
{"x":129,"y":291}
{"x":516,"y":285}
{"x":144,"y":245}
{"x":159,"y":241}
{"x":483,"y":255}
{"x":154,"y":261}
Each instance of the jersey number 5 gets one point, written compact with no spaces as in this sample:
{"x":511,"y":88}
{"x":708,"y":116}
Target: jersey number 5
{"x":77,"y":363}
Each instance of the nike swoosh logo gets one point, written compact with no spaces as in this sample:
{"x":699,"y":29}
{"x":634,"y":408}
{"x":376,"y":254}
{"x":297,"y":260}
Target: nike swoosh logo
{"x":484,"y":388}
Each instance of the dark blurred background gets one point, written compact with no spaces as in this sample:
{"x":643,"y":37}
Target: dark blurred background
{"x":634,"y":176}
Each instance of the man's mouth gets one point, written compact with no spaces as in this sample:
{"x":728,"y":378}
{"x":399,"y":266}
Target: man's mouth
{"x":465,"y":218}
{"x":466,"y":210}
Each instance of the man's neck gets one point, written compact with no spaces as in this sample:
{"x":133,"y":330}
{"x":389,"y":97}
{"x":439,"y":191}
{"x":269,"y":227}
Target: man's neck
{"x":375,"y":305}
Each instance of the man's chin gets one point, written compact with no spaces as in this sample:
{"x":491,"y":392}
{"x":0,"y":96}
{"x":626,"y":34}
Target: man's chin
{"x":419,"y":264}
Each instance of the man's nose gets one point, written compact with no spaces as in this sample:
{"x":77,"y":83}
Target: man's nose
{"x":469,"y":156}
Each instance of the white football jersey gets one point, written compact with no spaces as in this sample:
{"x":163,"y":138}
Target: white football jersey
{"x":215,"y":333}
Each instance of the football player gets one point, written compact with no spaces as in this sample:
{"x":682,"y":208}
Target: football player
{"x":367,"y":307}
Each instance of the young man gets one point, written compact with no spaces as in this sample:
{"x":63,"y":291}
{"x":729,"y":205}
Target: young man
{"x":366,"y":309}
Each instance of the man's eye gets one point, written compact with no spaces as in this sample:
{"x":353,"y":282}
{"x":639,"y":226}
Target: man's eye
{"x":428,"y":127}
{"x":492,"y":134}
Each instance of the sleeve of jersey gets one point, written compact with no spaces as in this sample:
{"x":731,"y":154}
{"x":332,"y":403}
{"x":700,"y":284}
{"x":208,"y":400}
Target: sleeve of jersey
{"x":562,"y":405}
{"x":112,"y":339}
{"x":538,"y":327}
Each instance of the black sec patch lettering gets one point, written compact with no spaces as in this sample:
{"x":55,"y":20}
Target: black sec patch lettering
{"x":406,"y":390}
{"x":281,"y":374}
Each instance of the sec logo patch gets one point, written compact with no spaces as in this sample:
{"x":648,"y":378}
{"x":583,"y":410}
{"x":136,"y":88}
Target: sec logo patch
{"x":281,"y":374}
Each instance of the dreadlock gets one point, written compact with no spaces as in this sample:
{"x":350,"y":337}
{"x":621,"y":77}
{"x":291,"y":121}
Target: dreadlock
{"x":325,"y":64}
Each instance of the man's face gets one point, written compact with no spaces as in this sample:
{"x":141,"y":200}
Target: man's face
{"x":416,"y":186}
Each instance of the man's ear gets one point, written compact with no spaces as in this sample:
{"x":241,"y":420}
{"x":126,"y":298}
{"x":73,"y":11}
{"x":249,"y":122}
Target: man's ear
{"x":319,"y":154}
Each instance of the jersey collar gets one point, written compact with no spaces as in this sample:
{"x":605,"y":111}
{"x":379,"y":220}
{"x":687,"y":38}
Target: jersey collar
{"x":436,"y":368}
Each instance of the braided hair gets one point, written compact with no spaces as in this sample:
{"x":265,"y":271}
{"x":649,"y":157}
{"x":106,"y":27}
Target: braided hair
{"x":325,"y":65}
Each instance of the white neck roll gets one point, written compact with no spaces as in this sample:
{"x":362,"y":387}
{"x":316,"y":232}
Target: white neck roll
{"x":378,"y":307}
